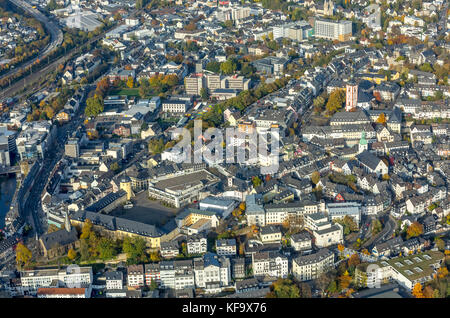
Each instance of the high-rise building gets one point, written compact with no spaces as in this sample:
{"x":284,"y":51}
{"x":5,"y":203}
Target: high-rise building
{"x":194,"y":84}
{"x":333,"y":30}
{"x":351,"y":97}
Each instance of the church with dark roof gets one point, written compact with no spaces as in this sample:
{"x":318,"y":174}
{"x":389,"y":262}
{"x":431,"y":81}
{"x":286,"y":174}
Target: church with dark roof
{"x":59,"y":242}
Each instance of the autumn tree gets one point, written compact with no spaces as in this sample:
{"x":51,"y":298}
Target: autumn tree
{"x":130,"y":82}
{"x":23,"y":255}
{"x":335,"y":101}
{"x":344,"y":281}
{"x":354,"y":260}
{"x":191,"y":26}
{"x":305,"y":290}
{"x":52,"y":228}
{"x":442,"y":272}
{"x":155,"y":256}
{"x":414,"y":230}
{"x":87,"y":229}
{"x":71,"y":254}
{"x":237,"y":213}
{"x":102,"y":87}
{"x":315,"y":177}
{"x":284,"y":288}
{"x":365,"y":251}
{"x":381,"y":119}
{"x":428,"y":292}
{"x":417,"y":291}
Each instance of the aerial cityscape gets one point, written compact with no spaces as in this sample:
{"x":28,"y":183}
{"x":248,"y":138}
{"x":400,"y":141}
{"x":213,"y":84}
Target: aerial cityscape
{"x":224,"y":149}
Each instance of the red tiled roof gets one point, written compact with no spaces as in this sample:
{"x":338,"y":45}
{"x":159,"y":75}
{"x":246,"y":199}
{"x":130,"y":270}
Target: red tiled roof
{"x":61,"y":291}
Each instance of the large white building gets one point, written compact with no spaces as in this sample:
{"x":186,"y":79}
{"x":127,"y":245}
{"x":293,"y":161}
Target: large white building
{"x":114,"y":280}
{"x":71,"y":277}
{"x":333,"y":30}
{"x":271,"y":264}
{"x":196,"y":244}
{"x":212,"y":272}
{"x":310,"y":266}
{"x":325,"y":233}
{"x":135,"y":275}
{"x":226,"y":247}
{"x":407,"y":271}
{"x":339,"y":210}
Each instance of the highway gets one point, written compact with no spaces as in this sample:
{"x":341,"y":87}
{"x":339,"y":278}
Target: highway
{"x":53,"y":29}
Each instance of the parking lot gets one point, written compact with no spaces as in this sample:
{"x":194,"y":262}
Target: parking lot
{"x":146,"y":211}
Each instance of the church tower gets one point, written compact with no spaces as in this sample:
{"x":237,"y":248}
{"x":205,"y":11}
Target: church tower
{"x":67,"y":224}
{"x":351,"y":95}
{"x":362,"y":146}
{"x":125,"y":184}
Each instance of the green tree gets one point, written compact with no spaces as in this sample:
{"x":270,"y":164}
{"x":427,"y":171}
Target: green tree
{"x":228,"y":24}
{"x":94,"y":106}
{"x":256,"y":181}
{"x":349,"y":224}
{"x":284,"y":288}
{"x":135,"y":248}
{"x":228,"y":67}
{"x":84,"y":250}
{"x":114,"y":166}
{"x":426,"y":67}
{"x":204,"y":93}
{"x":376,"y":226}
{"x":106,"y":248}
{"x":213,"y":66}
{"x":156,"y":146}
{"x":153,"y":285}
{"x":440,"y":244}
{"x":144,"y":88}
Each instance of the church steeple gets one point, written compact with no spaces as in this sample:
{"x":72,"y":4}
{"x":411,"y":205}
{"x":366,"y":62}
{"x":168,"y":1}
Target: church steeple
{"x":362,"y":143}
{"x":67,"y":224}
